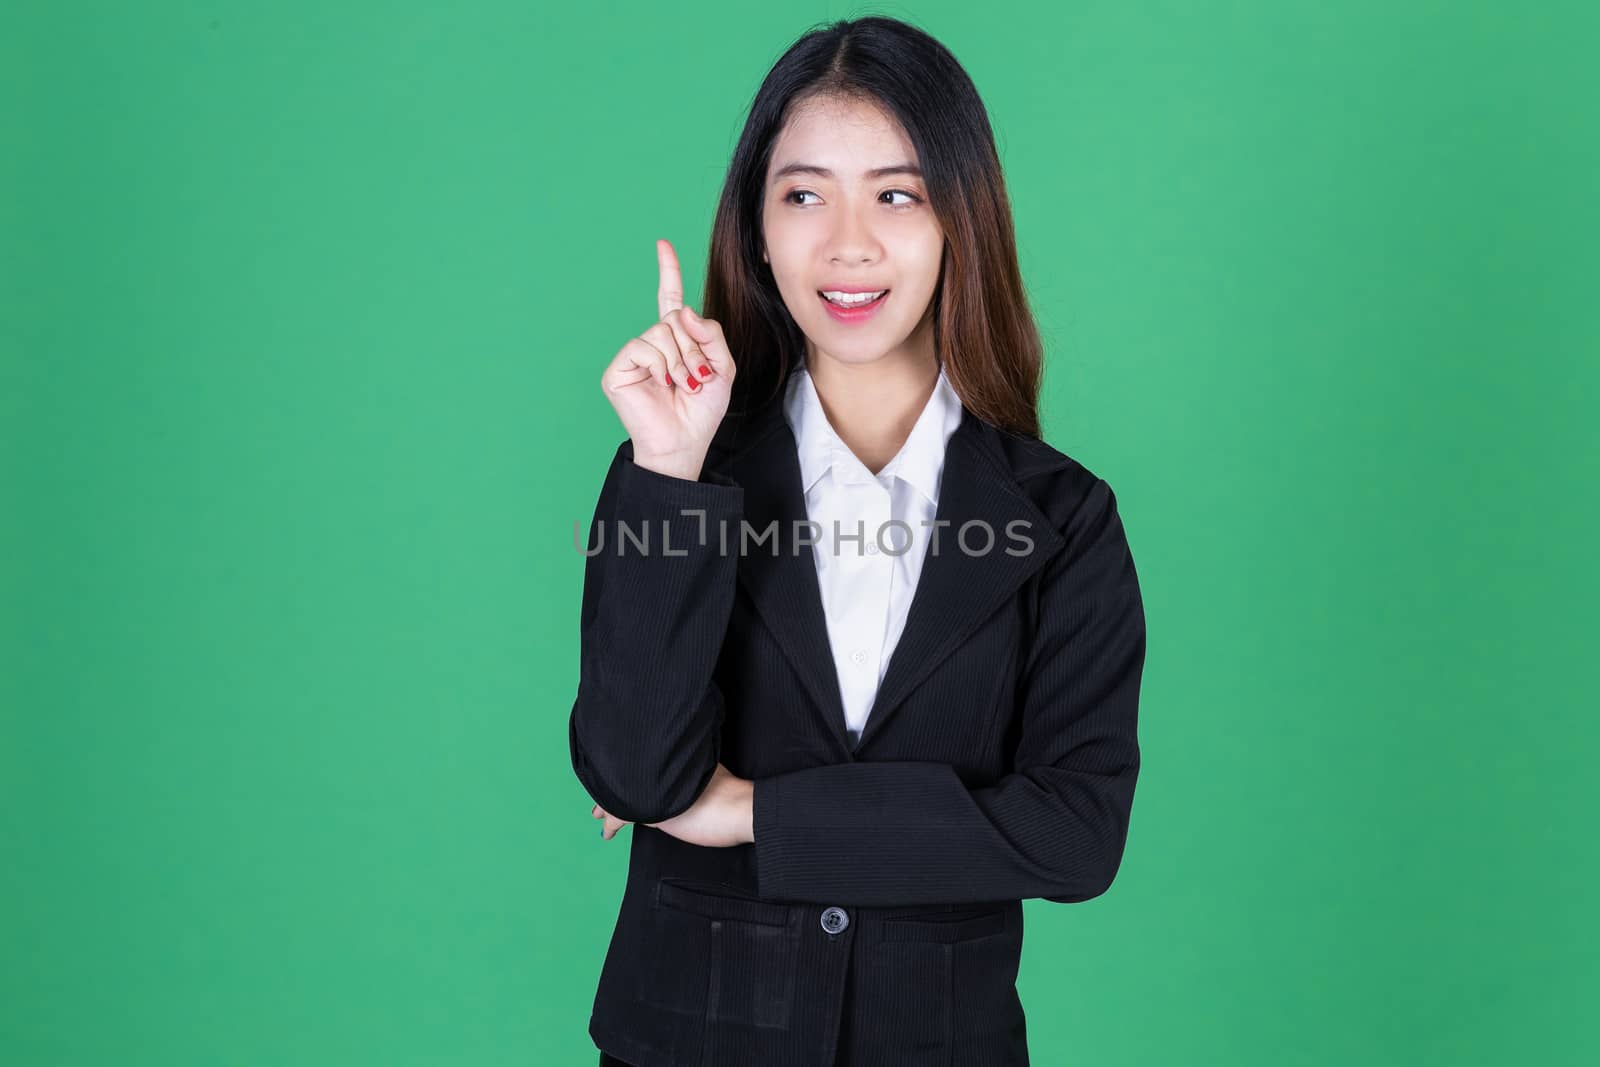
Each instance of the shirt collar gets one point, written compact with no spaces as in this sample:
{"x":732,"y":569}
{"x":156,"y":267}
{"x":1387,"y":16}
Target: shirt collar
{"x":919,"y":463}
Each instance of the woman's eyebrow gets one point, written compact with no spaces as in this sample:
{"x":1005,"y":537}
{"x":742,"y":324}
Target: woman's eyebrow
{"x":823,"y":172}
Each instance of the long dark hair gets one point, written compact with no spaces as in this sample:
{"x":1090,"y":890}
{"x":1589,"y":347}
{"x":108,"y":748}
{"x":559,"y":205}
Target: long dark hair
{"x":984,"y":333}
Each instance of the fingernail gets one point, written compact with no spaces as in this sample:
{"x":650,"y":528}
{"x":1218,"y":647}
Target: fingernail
{"x":705,"y":369}
{"x":693,"y":385}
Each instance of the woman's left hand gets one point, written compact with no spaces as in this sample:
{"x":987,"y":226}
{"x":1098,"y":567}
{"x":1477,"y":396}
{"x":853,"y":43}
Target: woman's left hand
{"x":722,"y":815}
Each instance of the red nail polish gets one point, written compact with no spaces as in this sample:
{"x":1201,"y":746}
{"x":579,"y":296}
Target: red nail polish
{"x":693,"y":385}
{"x":704,"y":369}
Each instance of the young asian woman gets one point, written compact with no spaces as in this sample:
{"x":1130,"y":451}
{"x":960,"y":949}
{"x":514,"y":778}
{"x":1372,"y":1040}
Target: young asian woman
{"x":860,"y":652}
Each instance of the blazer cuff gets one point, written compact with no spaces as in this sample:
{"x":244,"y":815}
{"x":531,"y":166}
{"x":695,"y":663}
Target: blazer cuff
{"x":770,"y":868}
{"x":667,"y":483}
{"x":644,"y":494}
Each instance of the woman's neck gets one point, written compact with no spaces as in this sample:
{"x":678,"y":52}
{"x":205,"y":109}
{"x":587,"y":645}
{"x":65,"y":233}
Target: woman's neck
{"x":873,"y":406}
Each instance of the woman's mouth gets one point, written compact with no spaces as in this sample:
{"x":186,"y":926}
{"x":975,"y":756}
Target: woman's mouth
{"x":856,"y":311}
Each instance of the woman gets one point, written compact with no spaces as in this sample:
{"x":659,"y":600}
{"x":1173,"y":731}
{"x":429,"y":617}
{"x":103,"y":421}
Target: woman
{"x":861,"y":654}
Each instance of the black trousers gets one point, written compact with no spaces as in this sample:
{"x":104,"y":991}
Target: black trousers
{"x":608,"y":1060}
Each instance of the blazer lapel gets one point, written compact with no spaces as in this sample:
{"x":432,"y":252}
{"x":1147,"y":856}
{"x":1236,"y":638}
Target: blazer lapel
{"x":956,"y":592}
{"x":780,"y":577}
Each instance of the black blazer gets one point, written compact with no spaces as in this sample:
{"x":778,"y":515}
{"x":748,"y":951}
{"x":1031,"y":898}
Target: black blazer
{"x":877,"y":918}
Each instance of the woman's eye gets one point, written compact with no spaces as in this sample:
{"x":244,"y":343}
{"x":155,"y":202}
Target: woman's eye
{"x":911,"y":198}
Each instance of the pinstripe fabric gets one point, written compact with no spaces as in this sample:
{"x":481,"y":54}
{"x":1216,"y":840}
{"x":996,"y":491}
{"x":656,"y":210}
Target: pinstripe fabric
{"x":998,"y":763}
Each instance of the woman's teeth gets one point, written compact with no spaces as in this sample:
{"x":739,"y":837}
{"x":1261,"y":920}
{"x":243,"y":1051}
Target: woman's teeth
{"x":851,"y":299}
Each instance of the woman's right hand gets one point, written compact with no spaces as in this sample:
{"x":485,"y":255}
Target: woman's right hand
{"x":671,"y":385}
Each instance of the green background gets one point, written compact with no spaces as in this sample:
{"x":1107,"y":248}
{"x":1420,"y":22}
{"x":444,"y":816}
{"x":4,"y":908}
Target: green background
{"x":303,"y":311}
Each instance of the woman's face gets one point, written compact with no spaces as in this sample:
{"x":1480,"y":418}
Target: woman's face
{"x":856,"y":217}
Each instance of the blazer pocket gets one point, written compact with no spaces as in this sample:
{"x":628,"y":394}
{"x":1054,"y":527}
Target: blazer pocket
{"x":943,"y":983}
{"x":714,"y":900}
{"x":946,"y":928}
{"x":731,"y":956}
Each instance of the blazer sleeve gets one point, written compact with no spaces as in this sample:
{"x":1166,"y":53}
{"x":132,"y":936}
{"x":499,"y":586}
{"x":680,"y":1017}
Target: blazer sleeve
{"x":645,"y":729}
{"x":897,"y":833}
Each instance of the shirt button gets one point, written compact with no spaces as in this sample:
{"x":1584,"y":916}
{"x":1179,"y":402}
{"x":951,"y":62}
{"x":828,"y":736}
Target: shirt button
{"x":872,"y":548}
{"x":835,"y":920}
{"x":859,"y":655}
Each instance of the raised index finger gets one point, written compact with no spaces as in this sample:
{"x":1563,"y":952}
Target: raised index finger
{"x":670,"y":294}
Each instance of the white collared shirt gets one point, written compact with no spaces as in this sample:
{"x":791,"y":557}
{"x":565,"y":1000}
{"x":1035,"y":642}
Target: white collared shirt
{"x":868,"y":564}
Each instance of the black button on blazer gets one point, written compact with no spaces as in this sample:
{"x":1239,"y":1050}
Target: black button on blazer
{"x":998,"y":762}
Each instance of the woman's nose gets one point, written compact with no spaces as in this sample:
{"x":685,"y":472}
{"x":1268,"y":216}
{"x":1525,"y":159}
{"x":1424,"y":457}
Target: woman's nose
{"x":852,"y":240}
